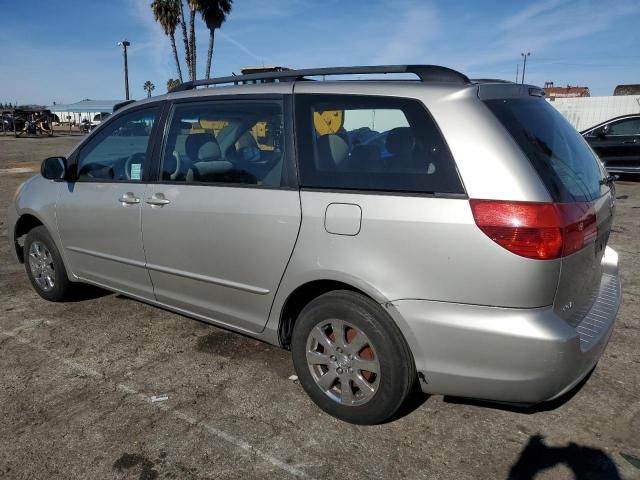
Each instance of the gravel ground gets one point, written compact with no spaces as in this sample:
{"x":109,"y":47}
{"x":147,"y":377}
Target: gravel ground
{"x":76,"y":380}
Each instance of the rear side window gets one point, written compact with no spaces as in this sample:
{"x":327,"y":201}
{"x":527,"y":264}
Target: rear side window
{"x":628,"y":126}
{"x":563,"y":159}
{"x":357,"y":142}
{"x":226,"y":142}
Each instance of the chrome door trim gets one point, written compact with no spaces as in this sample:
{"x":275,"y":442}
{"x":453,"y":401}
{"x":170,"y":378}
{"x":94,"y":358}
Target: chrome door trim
{"x":114,"y":258}
{"x":173,"y":271}
{"x":207,"y":279}
{"x":178,"y":310}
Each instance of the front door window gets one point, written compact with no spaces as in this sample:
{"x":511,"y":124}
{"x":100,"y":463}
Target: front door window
{"x":118,"y":151}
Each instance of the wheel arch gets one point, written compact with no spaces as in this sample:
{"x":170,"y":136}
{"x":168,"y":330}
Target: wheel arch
{"x":26,"y":222}
{"x":299,"y":297}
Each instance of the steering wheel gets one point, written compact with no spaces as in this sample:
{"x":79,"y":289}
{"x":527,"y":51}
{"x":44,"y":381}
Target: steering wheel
{"x":130,"y":161}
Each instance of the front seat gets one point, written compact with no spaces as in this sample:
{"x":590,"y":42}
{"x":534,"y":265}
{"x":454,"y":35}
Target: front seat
{"x":204,"y":157}
{"x":333,"y":150}
{"x":202,"y":147}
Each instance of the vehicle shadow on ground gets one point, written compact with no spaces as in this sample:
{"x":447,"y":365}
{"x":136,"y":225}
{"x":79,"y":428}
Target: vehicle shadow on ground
{"x":414,"y":400}
{"x":83,"y":292}
{"x":584,"y":462}
{"x":628,"y":177}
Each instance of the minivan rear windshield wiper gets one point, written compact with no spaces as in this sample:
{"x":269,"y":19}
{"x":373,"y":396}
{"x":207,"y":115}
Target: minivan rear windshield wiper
{"x":609,"y":180}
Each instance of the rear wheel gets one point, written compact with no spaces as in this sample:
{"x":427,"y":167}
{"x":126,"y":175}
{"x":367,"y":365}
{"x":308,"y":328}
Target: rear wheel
{"x":44,"y":266}
{"x":351,"y":358}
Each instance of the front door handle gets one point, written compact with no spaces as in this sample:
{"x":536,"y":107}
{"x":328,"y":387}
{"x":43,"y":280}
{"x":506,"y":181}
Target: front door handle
{"x":157,"y":200}
{"x":129,"y":199}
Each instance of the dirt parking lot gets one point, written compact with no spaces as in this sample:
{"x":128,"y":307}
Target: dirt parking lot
{"x":76,"y":380}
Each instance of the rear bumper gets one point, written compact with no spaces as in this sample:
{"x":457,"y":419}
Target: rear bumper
{"x":506,"y":354}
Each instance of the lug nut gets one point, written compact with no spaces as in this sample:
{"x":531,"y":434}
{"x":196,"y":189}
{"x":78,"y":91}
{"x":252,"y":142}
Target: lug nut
{"x":350,"y":370}
{"x":339,"y":370}
{"x":339,"y":350}
{"x":332,"y":358}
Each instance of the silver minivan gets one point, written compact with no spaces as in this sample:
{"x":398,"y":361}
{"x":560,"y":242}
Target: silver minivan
{"x":439,"y":230}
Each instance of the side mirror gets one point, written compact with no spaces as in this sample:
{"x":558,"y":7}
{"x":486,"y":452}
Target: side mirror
{"x":54,"y":168}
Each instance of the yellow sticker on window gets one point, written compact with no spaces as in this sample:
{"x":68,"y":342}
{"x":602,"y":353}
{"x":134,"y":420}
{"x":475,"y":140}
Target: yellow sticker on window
{"x":329,"y":121}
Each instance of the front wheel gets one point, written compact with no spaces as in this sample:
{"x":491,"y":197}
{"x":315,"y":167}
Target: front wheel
{"x":351,"y":358}
{"x":44,"y":266}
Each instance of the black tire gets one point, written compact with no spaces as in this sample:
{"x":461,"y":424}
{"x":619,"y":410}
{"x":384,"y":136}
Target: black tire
{"x":397,"y":373}
{"x":61,"y":288}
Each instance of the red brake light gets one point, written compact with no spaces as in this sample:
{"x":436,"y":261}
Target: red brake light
{"x":542,"y":231}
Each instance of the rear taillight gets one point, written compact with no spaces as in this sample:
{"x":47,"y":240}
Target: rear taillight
{"x":542,"y":231}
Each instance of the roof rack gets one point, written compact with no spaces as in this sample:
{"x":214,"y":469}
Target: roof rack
{"x":490,"y":80}
{"x":426,"y":73}
{"x":118,"y":106}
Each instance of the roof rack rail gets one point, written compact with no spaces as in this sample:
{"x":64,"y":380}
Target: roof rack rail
{"x":426,"y":73}
{"x":490,"y":80}
{"x":118,"y":106}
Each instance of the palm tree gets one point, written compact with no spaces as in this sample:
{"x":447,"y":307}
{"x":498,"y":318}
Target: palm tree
{"x":187,"y":50}
{"x":149,"y":87}
{"x":172,"y":83}
{"x":194,"y":6}
{"x":167,"y":14}
{"x":214,"y":13}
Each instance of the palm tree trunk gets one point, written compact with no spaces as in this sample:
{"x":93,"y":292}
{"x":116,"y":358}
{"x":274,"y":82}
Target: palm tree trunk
{"x":210,"y":52}
{"x":175,"y":56}
{"x":187,"y":50}
{"x":192,"y":42}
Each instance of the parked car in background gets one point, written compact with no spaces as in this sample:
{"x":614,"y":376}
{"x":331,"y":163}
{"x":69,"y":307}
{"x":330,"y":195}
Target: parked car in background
{"x":98,"y":118}
{"x":617,"y":143}
{"x":462,"y":246}
{"x":8,"y":121}
{"x":84,"y":126}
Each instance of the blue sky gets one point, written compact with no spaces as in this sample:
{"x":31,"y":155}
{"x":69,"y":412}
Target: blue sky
{"x":67,"y":50}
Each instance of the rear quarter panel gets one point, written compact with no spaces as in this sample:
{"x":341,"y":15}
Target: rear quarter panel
{"x":414,"y":247}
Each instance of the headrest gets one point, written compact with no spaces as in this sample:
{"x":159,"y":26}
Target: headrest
{"x":400,"y":141}
{"x":202,"y":147}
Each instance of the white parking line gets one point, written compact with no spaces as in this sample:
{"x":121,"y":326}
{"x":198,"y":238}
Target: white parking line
{"x":126,"y":389}
{"x":17,"y":170}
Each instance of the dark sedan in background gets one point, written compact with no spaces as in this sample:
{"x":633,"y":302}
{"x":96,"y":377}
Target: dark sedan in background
{"x":617,"y":143}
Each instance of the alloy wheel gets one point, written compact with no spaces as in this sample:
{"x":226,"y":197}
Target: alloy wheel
{"x":41,"y":266}
{"x":343,"y":362}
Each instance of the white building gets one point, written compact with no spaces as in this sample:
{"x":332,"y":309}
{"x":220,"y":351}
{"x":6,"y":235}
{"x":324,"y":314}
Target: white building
{"x":585,"y":112}
{"x":83,"y":110}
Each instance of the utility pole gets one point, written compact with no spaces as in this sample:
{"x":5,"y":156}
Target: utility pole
{"x":124,"y":44}
{"x":517,"y":71}
{"x":524,"y":67}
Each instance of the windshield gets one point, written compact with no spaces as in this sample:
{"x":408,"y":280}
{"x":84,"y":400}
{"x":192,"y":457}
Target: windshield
{"x":566,"y":164}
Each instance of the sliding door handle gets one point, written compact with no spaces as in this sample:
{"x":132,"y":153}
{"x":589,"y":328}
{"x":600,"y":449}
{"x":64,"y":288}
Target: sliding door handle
{"x":157,"y":200}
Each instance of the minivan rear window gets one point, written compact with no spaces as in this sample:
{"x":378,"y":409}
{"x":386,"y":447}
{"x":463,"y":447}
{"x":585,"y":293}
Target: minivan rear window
{"x":564,"y":161}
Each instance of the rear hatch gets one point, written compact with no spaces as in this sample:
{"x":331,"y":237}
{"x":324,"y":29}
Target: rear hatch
{"x":577,"y":183}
